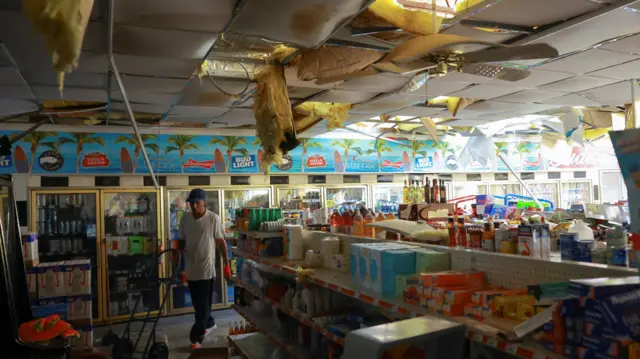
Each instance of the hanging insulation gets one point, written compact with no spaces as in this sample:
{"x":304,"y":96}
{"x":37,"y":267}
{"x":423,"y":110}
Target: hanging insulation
{"x":455,"y":104}
{"x":309,"y":113}
{"x":63,"y":24}
{"x":465,"y":4}
{"x":331,"y":61}
{"x":272,"y":111}
{"x":415,"y":21}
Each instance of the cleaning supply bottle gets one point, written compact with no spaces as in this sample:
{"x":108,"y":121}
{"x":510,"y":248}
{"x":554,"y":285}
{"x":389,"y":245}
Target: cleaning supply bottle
{"x":368,"y":230}
{"x":307,"y":301}
{"x":584,"y":232}
{"x":357,"y":229}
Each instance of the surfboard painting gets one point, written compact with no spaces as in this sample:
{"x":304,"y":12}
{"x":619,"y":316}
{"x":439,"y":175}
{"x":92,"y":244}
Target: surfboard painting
{"x":218,"y":159}
{"x":20,"y":160}
{"x":406,"y":161}
{"x":337,"y":160}
{"x":260,"y":159}
{"x":126,"y":163}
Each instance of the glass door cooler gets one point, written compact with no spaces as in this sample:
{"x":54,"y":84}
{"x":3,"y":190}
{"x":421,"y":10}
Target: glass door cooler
{"x":232,"y":198}
{"x":295,"y":200}
{"x":345,"y":196}
{"x":66,"y":223}
{"x":544,"y":190}
{"x":575,"y":192}
{"x":463,"y":189}
{"x":613,"y":188}
{"x":177,"y":208}
{"x":386,"y":197}
{"x":131,"y":232}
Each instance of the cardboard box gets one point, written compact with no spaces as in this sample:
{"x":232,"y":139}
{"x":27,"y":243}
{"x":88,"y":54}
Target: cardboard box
{"x":524,"y":311}
{"x":412,"y":293}
{"x":602,"y":345}
{"x":50,"y":278}
{"x":117,"y":245}
{"x":600,"y":288}
{"x":471,"y":279}
{"x":85,"y":341}
{"x":431,"y":261}
{"x":32,"y":282}
{"x":468,"y":310}
{"x":507,"y":306}
{"x":402,"y":283}
{"x":79,"y":308}
{"x":394,"y":262}
{"x":622,"y":313}
{"x":30,"y":249}
{"x":486,"y":297}
{"x":458,"y":296}
{"x":41,"y":308}
{"x":453,"y":310}
{"x":77,"y":277}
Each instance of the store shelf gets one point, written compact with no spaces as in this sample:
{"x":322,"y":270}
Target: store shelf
{"x":341,"y":282}
{"x":299,"y":317}
{"x":270,"y":330}
{"x":252,"y":345}
{"x":257,"y":234}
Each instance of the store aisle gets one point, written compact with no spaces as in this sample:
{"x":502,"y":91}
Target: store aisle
{"x":176,"y":329}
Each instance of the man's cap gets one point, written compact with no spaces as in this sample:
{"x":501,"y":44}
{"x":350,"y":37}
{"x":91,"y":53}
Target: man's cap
{"x":196,"y":195}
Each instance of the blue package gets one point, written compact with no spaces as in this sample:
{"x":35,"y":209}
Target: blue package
{"x":568,"y":245}
{"x":585,"y":353}
{"x":593,"y":312}
{"x":395,"y":262}
{"x":602,"y":345}
{"x":600,"y":288}
{"x":582,"y":251}
{"x":41,"y":308}
{"x":571,"y":308}
{"x":622,"y":311}
{"x":569,"y":350}
{"x":548,"y":327}
{"x":598,"y":330}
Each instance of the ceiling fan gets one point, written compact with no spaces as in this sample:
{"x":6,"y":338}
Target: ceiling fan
{"x":441,"y":52}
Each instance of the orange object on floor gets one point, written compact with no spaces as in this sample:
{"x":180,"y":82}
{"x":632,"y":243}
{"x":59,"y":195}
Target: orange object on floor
{"x":44,"y":329}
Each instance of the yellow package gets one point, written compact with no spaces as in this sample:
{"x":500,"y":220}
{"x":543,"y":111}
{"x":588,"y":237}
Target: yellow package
{"x":507,"y":306}
{"x":416,"y":21}
{"x":524,"y":311}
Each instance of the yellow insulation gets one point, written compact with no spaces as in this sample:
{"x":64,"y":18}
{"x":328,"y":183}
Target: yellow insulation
{"x":465,"y":4}
{"x":63,"y":24}
{"x":272,"y":111}
{"x":414,"y":21}
{"x":309,"y":112}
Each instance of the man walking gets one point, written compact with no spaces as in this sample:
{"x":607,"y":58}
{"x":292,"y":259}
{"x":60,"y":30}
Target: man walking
{"x":202,"y":232}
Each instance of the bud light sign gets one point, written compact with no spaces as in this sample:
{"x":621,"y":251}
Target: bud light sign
{"x":243,"y":164}
{"x":5,"y":162}
{"x":423,"y":163}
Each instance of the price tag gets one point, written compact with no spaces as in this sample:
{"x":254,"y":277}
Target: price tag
{"x":477,"y":337}
{"x":511,"y":348}
{"x":492,"y":342}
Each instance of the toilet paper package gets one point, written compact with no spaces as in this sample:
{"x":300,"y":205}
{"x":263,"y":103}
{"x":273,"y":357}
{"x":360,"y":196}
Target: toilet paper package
{"x":77,"y":277}
{"x":293,"y":242}
{"x":79,"y":308}
{"x":329,"y":246}
{"x":50,"y":277}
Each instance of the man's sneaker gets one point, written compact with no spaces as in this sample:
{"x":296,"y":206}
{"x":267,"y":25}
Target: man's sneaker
{"x":210,"y":330}
{"x":195,"y":346}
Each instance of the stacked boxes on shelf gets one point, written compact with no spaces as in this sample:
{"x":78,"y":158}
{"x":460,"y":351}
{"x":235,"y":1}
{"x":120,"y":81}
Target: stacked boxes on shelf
{"x":64,"y":288}
{"x":600,"y":322}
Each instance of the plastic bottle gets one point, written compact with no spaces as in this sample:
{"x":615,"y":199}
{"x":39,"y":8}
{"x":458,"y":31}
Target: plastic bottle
{"x":357,"y":228}
{"x":295,"y":303}
{"x":335,"y":221}
{"x":584,"y":232}
{"x":347,"y":222}
{"x":308,"y":301}
{"x":368,"y":230}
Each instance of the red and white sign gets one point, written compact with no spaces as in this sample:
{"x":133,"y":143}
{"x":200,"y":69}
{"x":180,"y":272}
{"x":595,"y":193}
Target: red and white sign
{"x":316,"y":161}
{"x":577,"y":158}
{"x":95,"y":159}
{"x":200,"y":164}
{"x":397,"y":164}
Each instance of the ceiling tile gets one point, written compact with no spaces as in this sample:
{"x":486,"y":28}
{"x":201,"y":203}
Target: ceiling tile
{"x":47,"y":77}
{"x":193,"y":111}
{"x":440,"y":86}
{"x":14,"y":107}
{"x":528,"y":96}
{"x":469,"y":122}
{"x":345,"y":96}
{"x":156,"y":66}
{"x":628,"y":70}
{"x":421,"y":111}
{"x":572,"y":100}
{"x":237,"y":117}
{"x":153,"y":84}
{"x":70,"y":93}
{"x":485,"y":92}
{"x":143,"y":107}
{"x":615,"y":94}
{"x":144,"y":97}
{"x":376,"y":83}
{"x":10,"y":76}
{"x":385,"y":105}
{"x":629,"y":45}
{"x":540,"y":77}
{"x":301,"y":92}
{"x":578,"y":83}
{"x":17,"y":92}
{"x":144,"y":41}
{"x":491,"y":106}
{"x":587,"y":61}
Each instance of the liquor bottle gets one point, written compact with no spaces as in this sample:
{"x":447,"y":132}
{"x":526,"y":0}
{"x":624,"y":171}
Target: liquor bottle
{"x":443,"y":192}
{"x":452,"y":232}
{"x":420,"y":192}
{"x":435,"y":191}
{"x":427,"y":190}
{"x":405,"y":193}
{"x":416,"y":192}
{"x":462,"y":234}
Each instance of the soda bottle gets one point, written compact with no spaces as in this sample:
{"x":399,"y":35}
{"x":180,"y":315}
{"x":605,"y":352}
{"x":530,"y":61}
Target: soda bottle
{"x":335,"y":222}
{"x":347,"y":222}
{"x":357,"y":229}
{"x":368,"y":230}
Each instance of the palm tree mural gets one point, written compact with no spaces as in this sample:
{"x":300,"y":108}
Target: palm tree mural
{"x":379,"y":146}
{"x":35,"y":139}
{"x":133,"y":141}
{"x":444,"y":148}
{"x":181,"y":143}
{"x":521,"y":149}
{"x":52,"y":145}
{"x":502,"y":148}
{"x":417,"y":149}
{"x":81,"y":139}
{"x":308,"y":143}
{"x":232,"y":143}
{"x":347,"y":145}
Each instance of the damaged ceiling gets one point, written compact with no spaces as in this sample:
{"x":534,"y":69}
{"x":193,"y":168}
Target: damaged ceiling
{"x":159,"y":46}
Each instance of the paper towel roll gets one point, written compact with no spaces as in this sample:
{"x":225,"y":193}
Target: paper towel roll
{"x":294,"y":246}
{"x":328,"y":247}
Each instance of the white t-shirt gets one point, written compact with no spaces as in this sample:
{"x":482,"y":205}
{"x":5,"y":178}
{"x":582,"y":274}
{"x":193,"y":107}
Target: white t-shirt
{"x":200,"y":249}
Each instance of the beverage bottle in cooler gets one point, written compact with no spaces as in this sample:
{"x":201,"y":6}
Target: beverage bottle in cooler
{"x":443,"y":192}
{"x":405,"y":193}
{"x":335,"y":222}
{"x":380,"y":234}
{"x":347,"y":222}
{"x":368,"y":230}
{"x":427,"y":190}
{"x":452,"y":232}
{"x":357,"y":229}
{"x":461,"y":240}
{"x":435,"y":191}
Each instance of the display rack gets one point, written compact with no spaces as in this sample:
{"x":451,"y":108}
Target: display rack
{"x":501,"y":269}
{"x":257,"y":234}
{"x":252,"y":345}
{"x":267,"y":327}
{"x":299,"y":317}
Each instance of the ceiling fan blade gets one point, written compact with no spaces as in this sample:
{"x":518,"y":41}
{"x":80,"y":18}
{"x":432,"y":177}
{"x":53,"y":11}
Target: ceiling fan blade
{"x":422,"y":46}
{"x":512,"y":53}
{"x":353,"y":75}
{"x":402,"y":69}
{"x":498,"y":72}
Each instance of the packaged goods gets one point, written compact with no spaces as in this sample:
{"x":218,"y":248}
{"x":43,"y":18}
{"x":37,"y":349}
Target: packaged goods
{"x":42,"y":308}
{"x":32,"y":282}
{"x":622,"y":312}
{"x":600,"y":288}
{"x":402,"y":280}
{"x":453,"y":310}
{"x":431,"y":261}
{"x":458,"y":296}
{"x":79,"y":308}
{"x":30,"y":249}
{"x":486,"y":297}
{"x":51,"y":281}
{"x":472,"y":279}
{"x":507,"y":306}
{"x":394,"y":263}
{"x":412,"y":292}
{"x":77,"y":277}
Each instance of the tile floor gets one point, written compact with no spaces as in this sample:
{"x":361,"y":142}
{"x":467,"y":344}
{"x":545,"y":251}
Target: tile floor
{"x":176,"y":329}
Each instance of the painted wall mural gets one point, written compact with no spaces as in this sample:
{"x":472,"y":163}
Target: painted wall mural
{"x":88,"y":153}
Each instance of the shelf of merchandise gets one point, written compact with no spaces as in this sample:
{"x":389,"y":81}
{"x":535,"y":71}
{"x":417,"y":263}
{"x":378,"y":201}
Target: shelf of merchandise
{"x":257,"y":234}
{"x":299,"y":317}
{"x":341,"y":282}
{"x":270,"y":330}
{"x":252,"y":345}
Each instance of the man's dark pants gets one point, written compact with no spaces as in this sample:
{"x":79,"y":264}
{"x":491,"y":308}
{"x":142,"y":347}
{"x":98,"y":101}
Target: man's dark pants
{"x":201,"y":299}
